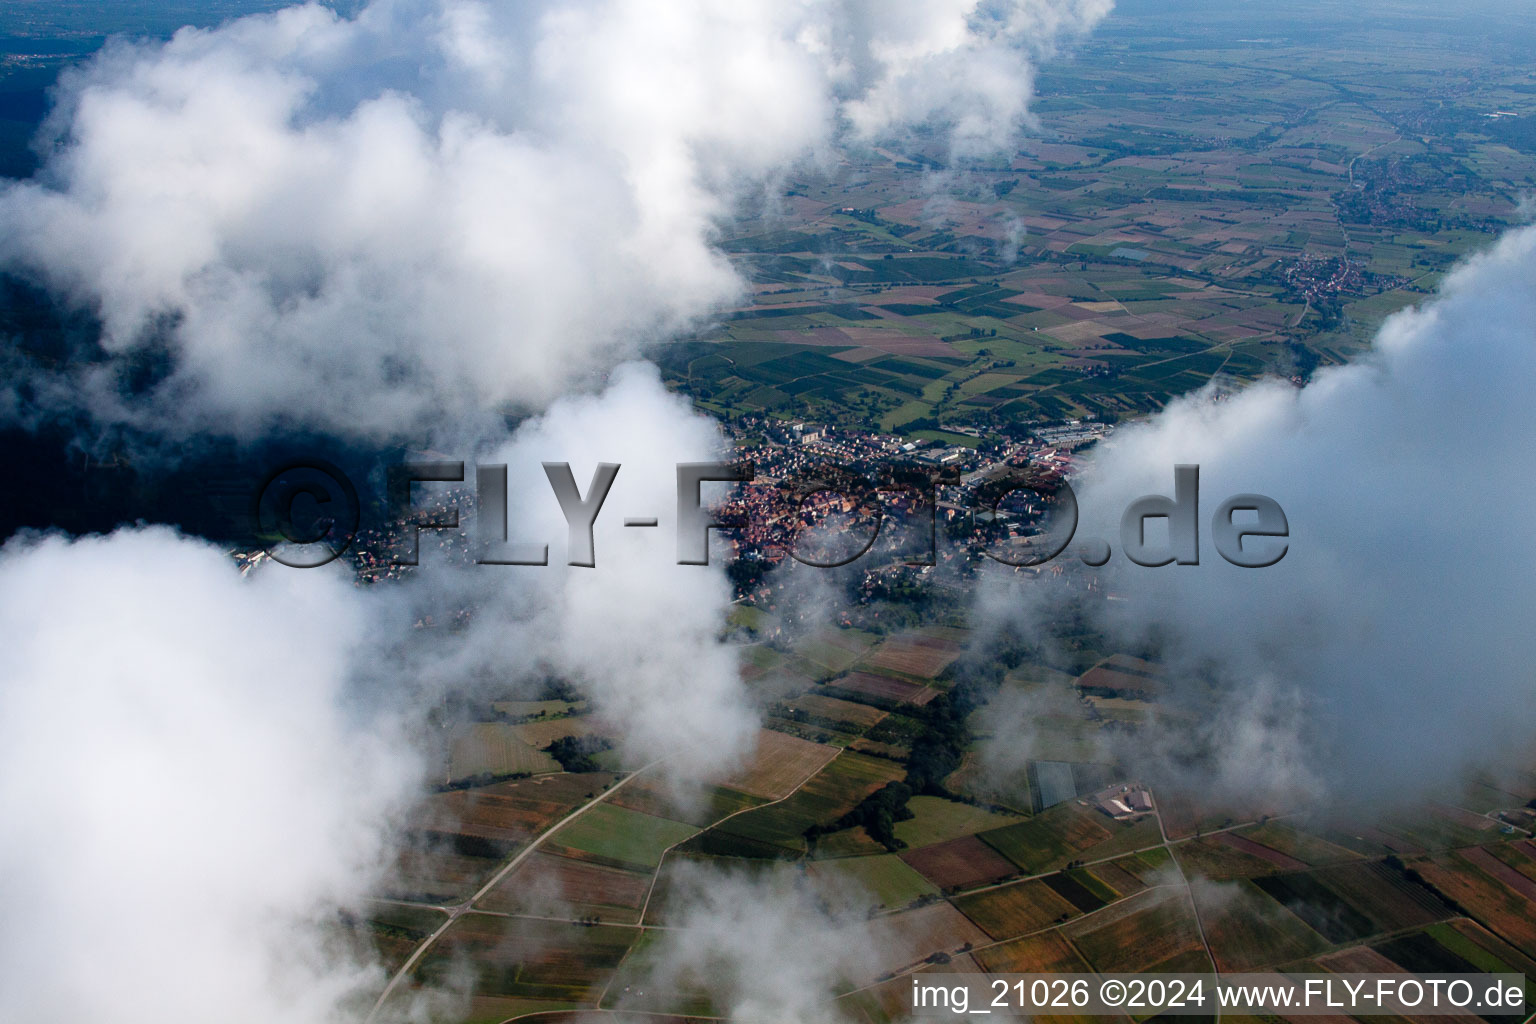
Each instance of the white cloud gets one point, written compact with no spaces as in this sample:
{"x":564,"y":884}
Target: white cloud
{"x":185,"y":790}
{"x":389,"y":225}
{"x":378,"y":224}
{"x":637,"y":632}
{"x":1395,"y":628}
{"x":768,"y":946}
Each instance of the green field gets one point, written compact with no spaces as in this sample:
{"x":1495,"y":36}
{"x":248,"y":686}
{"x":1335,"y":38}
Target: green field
{"x":885,"y":878}
{"x":779,"y":829}
{"x":936,"y":819}
{"x":628,"y":838}
{"x":1247,"y":930}
{"x":1065,"y":833}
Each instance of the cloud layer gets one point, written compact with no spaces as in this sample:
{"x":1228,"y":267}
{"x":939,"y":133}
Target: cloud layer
{"x":400,"y":224}
{"x":1390,"y":648}
{"x":186,"y":797}
{"x":433,"y":209}
{"x":639,"y":633}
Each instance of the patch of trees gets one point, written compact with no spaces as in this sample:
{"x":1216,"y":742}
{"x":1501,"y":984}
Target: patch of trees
{"x":480,"y":779}
{"x":559,"y":689}
{"x":746,"y":574}
{"x":1305,"y":359}
{"x":469,"y":846}
{"x":878,"y":813}
{"x":575,"y":752}
{"x":1330,"y":313}
{"x":896,"y":729}
{"x":940,"y":746}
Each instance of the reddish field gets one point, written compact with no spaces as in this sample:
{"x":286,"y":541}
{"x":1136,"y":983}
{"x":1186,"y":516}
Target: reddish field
{"x":528,"y":959}
{"x":894,"y":342}
{"x":1138,"y":934}
{"x":1464,"y":818}
{"x":879,"y":687}
{"x":834,"y":710}
{"x":1499,"y":871}
{"x":513,"y":811}
{"x":1495,"y":907}
{"x":919,"y":656}
{"x":553,"y":886}
{"x":960,"y":863}
{"x":1397,"y":844}
{"x":1183,"y":815}
{"x":906,"y":938}
{"x":461,"y":837}
{"x":1261,"y":851}
{"x":1126,"y":676}
{"x":1358,"y":960}
{"x":1048,"y":953}
{"x":779,"y":765}
{"x":1117,"y":878}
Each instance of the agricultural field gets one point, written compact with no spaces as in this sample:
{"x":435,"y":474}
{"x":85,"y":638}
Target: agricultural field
{"x":846,"y":716}
{"x":395,"y":930}
{"x":908,"y":938}
{"x":960,"y":864}
{"x":1047,"y":953}
{"x":834,"y":650}
{"x":1280,"y":205}
{"x":778,"y":830}
{"x":917,"y":656}
{"x":1132,"y":912}
{"x":1475,"y":944}
{"x":936,"y":820}
{"x":1017,"y":909}
{"x":541,"y":733}
{"x":780,"y":764}
{"x":1295,"y":842}
{"x":699,"y":807}
{"x":613,"y":835}
{"x":1247,"y":930}
{"x":1186,"y":816}
{"x":885,"y":879}
{"x":1226,"y":856}
{"x":548,"y":885}
{"x":495,"y":749}
{"x":633,"y":989}
{"x":1502,"y":912}
{"x":462,"y":836}
{"x":520,"y":963}
{"x":1352,"y":902}
{"x":1068,"y":832}
{"x":1117,"y":878}
{"x":1144,"y":933}
{"x":881,"y":689}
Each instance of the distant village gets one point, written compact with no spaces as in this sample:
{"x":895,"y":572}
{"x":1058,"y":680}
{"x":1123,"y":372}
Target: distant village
{"x":768,"y":527}
{"x":796,"y":451}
